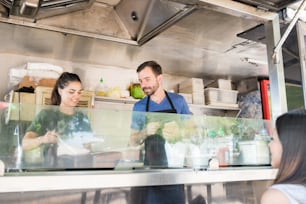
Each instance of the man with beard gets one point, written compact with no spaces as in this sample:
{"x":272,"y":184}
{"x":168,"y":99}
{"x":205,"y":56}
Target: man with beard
{"x":156,"y":100}
{"x":145,"y":131}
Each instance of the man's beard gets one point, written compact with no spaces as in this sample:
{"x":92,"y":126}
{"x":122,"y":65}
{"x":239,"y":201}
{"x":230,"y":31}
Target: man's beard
{"x":149,"y":91}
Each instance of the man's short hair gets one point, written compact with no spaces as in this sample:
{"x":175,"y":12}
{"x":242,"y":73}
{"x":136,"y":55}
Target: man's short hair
{"x":156,"y":68}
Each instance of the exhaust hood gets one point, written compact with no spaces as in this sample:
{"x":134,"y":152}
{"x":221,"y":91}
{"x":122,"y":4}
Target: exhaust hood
{"x":129,"y":21}
{"x":38,"y":9}
{"x":150,"y":17}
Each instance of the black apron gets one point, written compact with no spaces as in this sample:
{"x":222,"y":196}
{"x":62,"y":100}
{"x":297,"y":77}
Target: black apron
{"x":154,"y":145}
{"x":155,"y":156}
{"x":172,"y":110}
{"x":155,"y":153}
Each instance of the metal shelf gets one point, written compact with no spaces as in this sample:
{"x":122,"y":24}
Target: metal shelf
{"x":230,"y":110}
{"x":64,"y":180}
{"x":128,"y":100}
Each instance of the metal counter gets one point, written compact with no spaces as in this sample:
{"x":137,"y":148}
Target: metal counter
{"x":74,"y":180}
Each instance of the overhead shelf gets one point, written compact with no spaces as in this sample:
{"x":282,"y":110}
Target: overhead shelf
{"x":220,"y":109}
{"x":217,"y":106}
{"x":129,"y":100}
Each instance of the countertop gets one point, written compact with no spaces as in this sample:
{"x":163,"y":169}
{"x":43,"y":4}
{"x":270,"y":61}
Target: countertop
{"x":95,"y":179}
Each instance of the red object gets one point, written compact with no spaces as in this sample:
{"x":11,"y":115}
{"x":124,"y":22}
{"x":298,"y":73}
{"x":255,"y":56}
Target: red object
{"x":3,"y":104}
{"x":223,"y":156}
{"x":264,"y":89}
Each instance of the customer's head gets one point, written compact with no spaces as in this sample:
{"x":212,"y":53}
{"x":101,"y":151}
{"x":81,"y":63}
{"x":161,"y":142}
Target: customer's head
{"x":150,"y":76}
{"x":288,"y":147}
{"x":67,"y":90}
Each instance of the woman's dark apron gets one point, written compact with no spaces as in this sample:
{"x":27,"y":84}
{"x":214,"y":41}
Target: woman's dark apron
{"x":155,"y":156}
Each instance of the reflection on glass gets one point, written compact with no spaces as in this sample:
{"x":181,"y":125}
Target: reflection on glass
{"x":104,"y":139}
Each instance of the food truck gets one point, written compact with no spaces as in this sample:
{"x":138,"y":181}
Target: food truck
{"x":229,"y":59}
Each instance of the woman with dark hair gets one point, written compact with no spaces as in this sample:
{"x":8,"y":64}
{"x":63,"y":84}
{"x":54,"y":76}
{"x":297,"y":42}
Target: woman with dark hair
{"x":288,"y":150}
{"x":61,"y":122}
{"x":61,"y":83}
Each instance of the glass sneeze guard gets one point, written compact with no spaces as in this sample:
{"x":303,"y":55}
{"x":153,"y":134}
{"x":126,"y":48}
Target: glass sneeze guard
{"x":125,"y":140}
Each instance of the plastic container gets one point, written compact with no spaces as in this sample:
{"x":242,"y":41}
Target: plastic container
{"x":191,"y":85}
{"x":221,"y":84}
{"x":255,"y":152}
{"x":198,"y":98}
{"x":215,"y":95}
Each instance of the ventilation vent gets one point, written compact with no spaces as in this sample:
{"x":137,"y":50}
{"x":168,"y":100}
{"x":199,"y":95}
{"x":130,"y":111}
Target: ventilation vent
{"x":7,"y":3}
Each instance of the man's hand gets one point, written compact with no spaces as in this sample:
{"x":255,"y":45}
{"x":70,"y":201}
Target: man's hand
{"x":152,"y":128}
{"x":171,"y":131}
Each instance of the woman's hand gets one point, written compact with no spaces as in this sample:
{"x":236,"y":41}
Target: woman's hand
{"x":50,"y":137}
{"x":31,"y":140}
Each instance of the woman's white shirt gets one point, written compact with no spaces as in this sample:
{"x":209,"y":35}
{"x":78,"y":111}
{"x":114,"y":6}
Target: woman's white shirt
{"x":295,"y":193}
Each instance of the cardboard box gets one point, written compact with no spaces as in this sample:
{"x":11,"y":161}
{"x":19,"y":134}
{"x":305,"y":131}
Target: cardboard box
{"x":221,"y":84}
{"x":28,"y":81}
{"x":191,"y":85}
{"x":43,"y":97}
{"x":25,"y":111}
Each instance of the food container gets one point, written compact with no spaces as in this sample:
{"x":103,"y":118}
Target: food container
{"x":75,"y":161}
{"x":221,"y":84}
{"x":197,"y":156}
{"x":175,"y":154}
{"x":106,"y":159}
{"x":220,"y":96}
{"x":254,"y":152}
{"x":191,"y":85}
{"x":198,"y":98}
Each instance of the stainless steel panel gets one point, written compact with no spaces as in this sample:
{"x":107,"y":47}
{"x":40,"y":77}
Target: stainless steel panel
{"x":275,"y":5}
{"x":203,"y":44}
{"x":276,"y":70}
{"x":197,"y":46}
{"x":301,"y":39}
{"x":225,"y":193}
{"x":25,"y":182}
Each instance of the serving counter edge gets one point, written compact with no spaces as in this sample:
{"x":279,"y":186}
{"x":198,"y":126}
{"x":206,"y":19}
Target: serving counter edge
{"x":63,"y":180}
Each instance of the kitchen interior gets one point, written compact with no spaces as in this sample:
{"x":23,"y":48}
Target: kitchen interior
{"x":220,"y":42}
